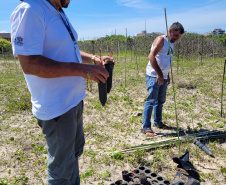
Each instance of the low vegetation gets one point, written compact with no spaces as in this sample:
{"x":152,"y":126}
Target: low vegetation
{"x":117,"y":125}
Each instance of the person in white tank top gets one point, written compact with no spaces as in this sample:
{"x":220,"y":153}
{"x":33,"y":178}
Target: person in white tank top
{"x":158,"y":78}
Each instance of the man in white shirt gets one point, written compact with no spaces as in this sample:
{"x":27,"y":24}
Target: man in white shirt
{"x":54,"y":68}
{"x":158,"y":78}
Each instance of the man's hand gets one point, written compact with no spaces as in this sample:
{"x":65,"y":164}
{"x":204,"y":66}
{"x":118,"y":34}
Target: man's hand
{"x":95,"y":73}
{"x":87,"y":58}
{"x":160,"y":80}
{"x":101,"y":60}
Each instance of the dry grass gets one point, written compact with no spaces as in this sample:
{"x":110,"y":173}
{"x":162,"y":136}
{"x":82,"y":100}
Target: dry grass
{"x":117,"y":125}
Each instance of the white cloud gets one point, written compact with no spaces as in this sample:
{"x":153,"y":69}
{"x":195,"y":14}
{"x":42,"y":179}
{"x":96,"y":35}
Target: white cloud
{"x":139,"y":4}
{"x":201,"y":19}
{"x":198,"y":20}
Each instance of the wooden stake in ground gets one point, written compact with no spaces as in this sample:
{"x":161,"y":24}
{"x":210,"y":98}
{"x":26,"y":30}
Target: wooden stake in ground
{"x":174,"y":93}
{"x":222,"y":89}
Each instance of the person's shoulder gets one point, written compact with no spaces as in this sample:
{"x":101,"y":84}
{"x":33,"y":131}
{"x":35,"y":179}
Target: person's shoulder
{"x":160,"y":39}
{"x":29,"y":8}
{"x":31,"y":5}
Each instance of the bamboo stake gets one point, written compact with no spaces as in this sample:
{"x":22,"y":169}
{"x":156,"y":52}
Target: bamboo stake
{"x":17,"y":74}
{"x":118,"y":54}
{"x":202,"y":48}
{"x":178,"y":57}
{"x":174,"y":93}
{"x":126,"y":57}
{"x":175,"y":140}
{"x":137,"y":66}
{"x":222,"y":89}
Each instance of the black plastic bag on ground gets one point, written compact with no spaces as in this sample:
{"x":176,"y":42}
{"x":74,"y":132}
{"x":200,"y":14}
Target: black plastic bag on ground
{"x":187,"y":174}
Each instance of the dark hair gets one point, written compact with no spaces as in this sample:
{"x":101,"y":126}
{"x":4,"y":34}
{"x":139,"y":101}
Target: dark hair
{"x":177,"y":27}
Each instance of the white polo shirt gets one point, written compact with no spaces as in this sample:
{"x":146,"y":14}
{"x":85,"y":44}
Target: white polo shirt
{"x":37,"y":29}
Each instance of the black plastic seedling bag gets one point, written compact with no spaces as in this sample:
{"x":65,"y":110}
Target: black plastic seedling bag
{"x":109,"y":65}
{"x":102,"y":87}
{"x":105,"y":88}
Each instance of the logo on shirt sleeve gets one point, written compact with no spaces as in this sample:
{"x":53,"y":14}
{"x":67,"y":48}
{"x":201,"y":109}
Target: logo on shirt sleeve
{"x":19,"y":41}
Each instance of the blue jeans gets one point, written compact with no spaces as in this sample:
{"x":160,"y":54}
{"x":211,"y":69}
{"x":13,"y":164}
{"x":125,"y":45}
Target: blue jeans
{"x":65,"y":141}
{"x":156,"y":98}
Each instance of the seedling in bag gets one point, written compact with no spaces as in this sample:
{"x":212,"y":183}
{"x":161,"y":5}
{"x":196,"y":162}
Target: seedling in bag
{"x":109,"y":65}
{"x":102,"y":87}
{"x":105,"y":88}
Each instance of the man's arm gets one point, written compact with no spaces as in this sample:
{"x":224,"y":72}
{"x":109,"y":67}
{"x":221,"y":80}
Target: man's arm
{"x":157,"y":46}
{"x":47,"y":68}
{"x":86,"y":58}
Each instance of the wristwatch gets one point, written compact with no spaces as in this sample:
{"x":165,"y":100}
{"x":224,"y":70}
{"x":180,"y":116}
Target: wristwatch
{"x":93,"y":59}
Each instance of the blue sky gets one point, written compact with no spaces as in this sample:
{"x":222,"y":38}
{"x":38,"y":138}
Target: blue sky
{"x":98,"y":18}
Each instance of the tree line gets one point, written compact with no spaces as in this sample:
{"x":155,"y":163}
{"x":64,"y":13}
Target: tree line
{"x":190,"y":45}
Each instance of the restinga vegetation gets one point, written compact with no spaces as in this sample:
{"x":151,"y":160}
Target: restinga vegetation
{"x":5,"y":46}
{"x":190,"y":45}
{"x":117,"y":125}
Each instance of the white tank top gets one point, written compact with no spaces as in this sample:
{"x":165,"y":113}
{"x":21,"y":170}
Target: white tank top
{"x":162,"y":59}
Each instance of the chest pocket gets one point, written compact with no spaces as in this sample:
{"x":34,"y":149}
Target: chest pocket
{"x":56,"y":33}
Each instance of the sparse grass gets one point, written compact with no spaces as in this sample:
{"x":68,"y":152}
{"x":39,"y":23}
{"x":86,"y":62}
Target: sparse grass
{"x":116,"y":126}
